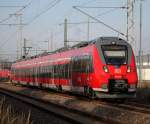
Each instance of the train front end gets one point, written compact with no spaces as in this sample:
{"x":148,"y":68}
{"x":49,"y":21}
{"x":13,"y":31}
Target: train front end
{"x":118,"y":75}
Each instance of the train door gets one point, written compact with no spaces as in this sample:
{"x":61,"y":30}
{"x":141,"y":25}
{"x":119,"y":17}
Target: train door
{"x":36,"y":74}
{"x":59,"y":73}
{"x":73,"y":73}
{"x":76,"y":74}
{"x":70,"y":73}
{"x":87,"y":69}
{"x":68,"y":76}
{"x":52,"y":74}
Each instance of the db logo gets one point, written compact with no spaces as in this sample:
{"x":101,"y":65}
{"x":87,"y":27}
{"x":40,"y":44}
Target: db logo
{"x":117,"y":71}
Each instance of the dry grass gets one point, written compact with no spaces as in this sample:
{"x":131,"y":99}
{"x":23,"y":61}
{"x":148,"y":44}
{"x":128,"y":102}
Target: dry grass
{"x":9,"y":116}
{"x":144,"y":84}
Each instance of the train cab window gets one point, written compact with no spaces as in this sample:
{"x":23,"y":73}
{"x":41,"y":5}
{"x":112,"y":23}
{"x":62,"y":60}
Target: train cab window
{"x":115,"y":54}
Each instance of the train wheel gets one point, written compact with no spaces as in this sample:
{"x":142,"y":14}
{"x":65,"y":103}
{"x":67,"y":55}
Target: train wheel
{"x":40,"y":86}
{"x":14,"y":84}
{"x":91,"y":93}
{"x":86,"y":91}
{"x":60,"y":88}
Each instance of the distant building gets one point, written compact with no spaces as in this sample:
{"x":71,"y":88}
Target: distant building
{"x":145,"y":66}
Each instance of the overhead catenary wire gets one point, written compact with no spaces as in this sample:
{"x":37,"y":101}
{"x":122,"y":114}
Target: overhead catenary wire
{"x":106,"y":25}
{"x":108,"y":11}
{"x":49,"y":6}
{"x":10,"y":6}
{"x":103,"y":7}
{"x":24,"y":7}
{"x":5,"y":19}
{"x":70,"y":11}
{"x":111,"y":9}
{"x":18,"y":11}
{"x":101,"y":14}
{"x":6,"y":41}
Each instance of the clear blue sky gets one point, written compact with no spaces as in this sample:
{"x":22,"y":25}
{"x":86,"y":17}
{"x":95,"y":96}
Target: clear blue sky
{"x":40,"y":27}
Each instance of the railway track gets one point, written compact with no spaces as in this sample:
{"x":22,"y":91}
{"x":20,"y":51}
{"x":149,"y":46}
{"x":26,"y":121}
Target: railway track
{"x":130,"y":106}
{"x":62,"y":112}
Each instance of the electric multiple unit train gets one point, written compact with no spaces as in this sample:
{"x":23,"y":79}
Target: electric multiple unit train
{"x":103,"y":68}
{"x":4,"y":74}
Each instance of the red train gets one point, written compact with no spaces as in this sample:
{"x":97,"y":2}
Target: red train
{"x":4,"y":74}
{"x":103,"y":68}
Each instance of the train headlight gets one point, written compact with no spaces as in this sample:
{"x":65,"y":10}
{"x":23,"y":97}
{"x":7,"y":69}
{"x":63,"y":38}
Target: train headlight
{"x":128,"y":69}
{"x":105,"y":69}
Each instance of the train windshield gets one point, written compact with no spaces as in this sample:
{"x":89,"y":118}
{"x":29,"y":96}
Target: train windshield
{"x":115,"y":54}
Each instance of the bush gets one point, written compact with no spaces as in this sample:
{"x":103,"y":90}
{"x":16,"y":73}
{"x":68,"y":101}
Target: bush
{"x":9,"y":116}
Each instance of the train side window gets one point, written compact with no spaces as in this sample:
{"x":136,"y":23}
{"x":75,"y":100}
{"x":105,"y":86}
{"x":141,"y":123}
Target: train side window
{"x":66,"y":71}
{"x":44,"y":71}
{"x":91,"y":64}
{"x":86,"y":64}
{"x":47,"y":74}
{"x":76,"y":64}
{"x":59,"y":70}
{"x":79,"y":67}
{"x":55,"y":73}
{"x":38,"y":72}
{"x":50,"y":71}
{"x":83,"y":64}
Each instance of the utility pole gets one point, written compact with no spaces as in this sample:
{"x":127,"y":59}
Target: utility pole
{"x":88,"y":29}
{"x":51,"y":41}
{"x":131,"y":24}
{"x":24,"y":48}
{"x":19,"y":40}
{"x":65,"y":33}
{"x":20,"y":29}
{"x":140,"y":43}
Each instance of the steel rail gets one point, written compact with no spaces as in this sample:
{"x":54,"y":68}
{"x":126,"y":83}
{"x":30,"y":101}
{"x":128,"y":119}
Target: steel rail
{"x":128,"y":107}
{"x":63,"y":112}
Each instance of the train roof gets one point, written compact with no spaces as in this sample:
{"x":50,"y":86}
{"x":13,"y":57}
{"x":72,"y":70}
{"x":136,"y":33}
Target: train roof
{"x":100,"y":40}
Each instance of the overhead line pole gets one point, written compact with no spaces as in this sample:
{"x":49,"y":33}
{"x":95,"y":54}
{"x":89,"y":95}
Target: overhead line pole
{"x":127,"y":19}
{"x":11,"y":24}
{"x":140,"y":43}
{"x":11,"y":6}
{"x":51,"y":41}
{"x":103,"y":7}
{"x":88,"y":29}
{"x":65,"y":33}
{"x":19,"y":41}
